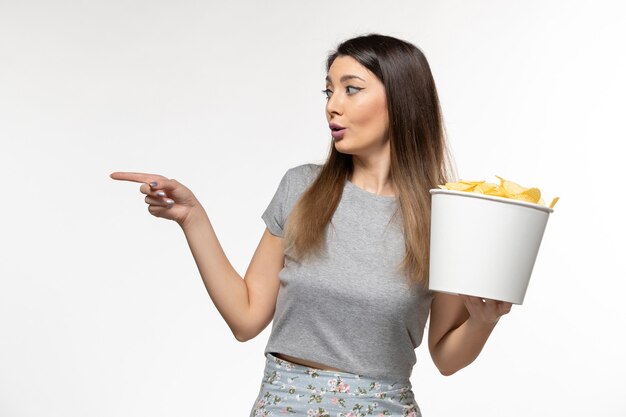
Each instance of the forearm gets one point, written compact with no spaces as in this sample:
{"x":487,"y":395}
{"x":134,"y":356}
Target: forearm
{"x":461,"y":346}
{"x":225,"y":286}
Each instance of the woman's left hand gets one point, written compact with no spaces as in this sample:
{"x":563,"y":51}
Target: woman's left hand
{"x":485,"y":310}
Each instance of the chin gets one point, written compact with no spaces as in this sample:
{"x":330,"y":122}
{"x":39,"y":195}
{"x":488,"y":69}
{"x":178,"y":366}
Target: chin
{"x":338,"y":144}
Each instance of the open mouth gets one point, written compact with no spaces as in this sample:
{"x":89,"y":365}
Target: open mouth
{"x":337,"y":133}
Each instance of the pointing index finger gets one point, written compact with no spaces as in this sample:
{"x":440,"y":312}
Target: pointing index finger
{"x":136,"y":176}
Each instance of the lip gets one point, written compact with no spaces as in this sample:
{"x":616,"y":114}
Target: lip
{"x":338,"y":134}
{"x":336,"y":130}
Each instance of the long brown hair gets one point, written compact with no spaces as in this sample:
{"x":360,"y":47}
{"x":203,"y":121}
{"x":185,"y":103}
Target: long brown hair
{"x":420,"y":159}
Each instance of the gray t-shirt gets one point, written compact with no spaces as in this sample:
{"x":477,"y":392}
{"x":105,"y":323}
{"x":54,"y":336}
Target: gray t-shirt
{"x":350,"y":308}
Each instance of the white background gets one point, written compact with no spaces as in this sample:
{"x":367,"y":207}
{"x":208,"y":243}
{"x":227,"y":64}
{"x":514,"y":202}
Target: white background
{"x":102,"y":310}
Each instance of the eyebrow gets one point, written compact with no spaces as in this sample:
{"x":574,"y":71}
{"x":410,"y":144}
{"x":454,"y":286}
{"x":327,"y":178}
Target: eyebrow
{"x":345,"y":78}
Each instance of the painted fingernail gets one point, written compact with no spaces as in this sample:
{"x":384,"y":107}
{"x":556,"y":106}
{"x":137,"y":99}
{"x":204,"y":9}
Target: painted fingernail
{"x":169,"y":202}
{"x":160,"y":193}
{"x":153,"y":184}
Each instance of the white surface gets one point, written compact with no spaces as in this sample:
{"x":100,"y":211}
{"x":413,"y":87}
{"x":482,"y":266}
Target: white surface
{"x":483,"y":246}
{"x":102,"y":311}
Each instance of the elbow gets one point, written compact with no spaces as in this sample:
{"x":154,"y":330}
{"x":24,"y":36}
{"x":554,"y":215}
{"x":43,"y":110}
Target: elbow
{"x":246,"y":330}
{"x":241,"y":337}
{"x":445,"y":367}
{"x":447,"y":372}
{"x":245,"y":335}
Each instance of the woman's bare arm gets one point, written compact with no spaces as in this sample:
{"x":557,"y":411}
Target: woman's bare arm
{"x":459,"y":328}
{"x":247,"y":305}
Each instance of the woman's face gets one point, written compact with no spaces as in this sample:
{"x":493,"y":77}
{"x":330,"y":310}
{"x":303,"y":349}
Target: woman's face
{"x":356,"y":101}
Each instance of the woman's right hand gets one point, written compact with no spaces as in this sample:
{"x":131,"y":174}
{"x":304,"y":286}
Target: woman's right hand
{"x":166,"y":198}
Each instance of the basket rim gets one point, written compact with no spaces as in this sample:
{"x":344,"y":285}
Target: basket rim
{"x":472,"y":194}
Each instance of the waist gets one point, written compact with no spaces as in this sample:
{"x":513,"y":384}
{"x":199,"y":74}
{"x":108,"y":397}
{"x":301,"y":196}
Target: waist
{"x":310,"y":364}
{"x":279,"y":371}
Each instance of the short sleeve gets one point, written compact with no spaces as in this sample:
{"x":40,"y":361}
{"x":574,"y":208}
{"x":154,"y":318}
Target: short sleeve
{"x":274,"y":215}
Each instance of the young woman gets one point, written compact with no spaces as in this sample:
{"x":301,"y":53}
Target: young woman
{"x":342,"y":267}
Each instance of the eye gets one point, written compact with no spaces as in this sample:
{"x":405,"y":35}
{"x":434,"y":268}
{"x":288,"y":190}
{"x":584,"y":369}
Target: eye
{"x":352,"y":90}
{"x":327,"y":92}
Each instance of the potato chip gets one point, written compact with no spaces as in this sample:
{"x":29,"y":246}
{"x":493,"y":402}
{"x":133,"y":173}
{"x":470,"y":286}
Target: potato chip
{"x":485,"y":188}
{"x":506,"y":189}
{"x":554,"y":200}
{"x":532,"y":195}
{"x":459,"y":186}
{"x":509,"y":187}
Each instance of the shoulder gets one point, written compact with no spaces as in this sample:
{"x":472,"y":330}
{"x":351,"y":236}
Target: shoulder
{"x":303,"y":174}
{"x":305,"y":170}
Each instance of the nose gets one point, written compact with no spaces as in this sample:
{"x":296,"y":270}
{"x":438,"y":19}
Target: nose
{"x":334,"y":105}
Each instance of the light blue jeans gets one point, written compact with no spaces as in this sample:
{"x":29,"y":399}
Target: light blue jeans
{"x":291,"y":389}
